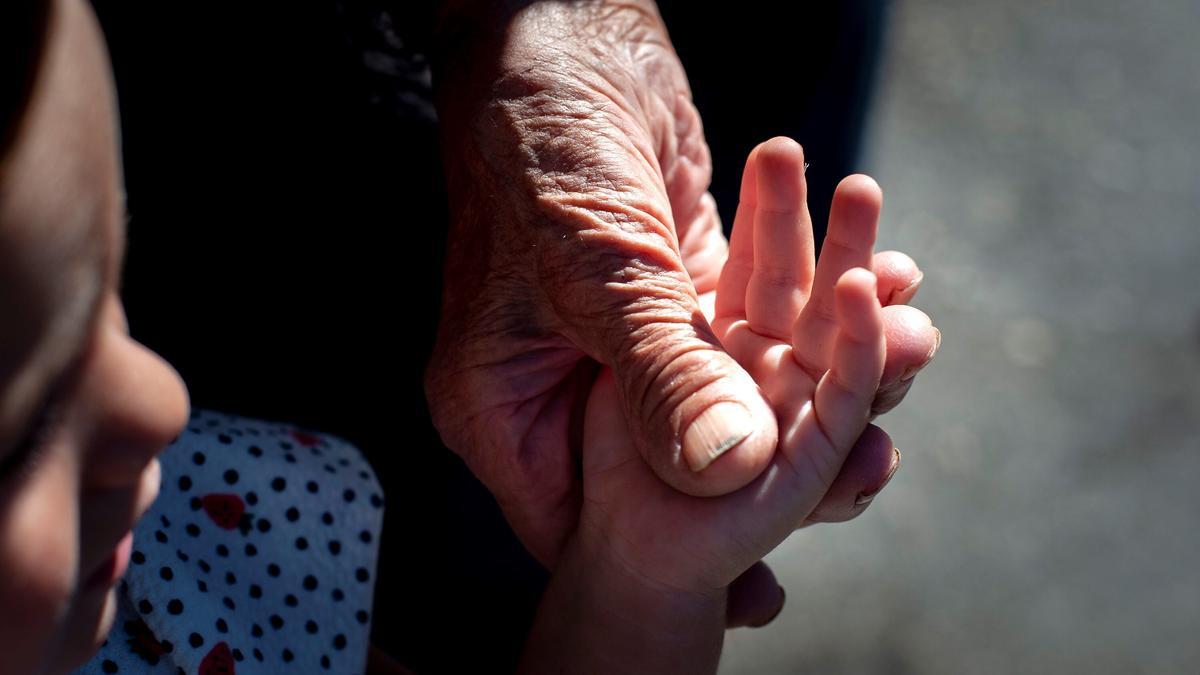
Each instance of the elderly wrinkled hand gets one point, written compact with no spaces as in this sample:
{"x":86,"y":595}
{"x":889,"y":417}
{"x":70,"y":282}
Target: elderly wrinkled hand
{"x":582,"y":233}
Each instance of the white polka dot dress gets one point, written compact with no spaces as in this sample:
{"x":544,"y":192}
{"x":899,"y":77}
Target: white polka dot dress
{"x":258,"y":557}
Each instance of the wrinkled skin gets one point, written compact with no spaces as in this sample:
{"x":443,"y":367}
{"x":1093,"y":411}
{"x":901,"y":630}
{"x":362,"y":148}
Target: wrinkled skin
{"x":582,"y":233}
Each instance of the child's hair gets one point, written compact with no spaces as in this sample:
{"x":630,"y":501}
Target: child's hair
{"x":22,"y":32}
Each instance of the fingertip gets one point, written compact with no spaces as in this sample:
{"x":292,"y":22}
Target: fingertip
{"x":912,"y":341}
{"x":859,"y":187}
{"x":899,"y":277}
{"x":897,"y":263}
{"x":855,"y":281}
{"x":755,"y":598}
{"x":712,"y":441}
{"x":780,"y":155}
{"x":869,"y":466}
{"x":779,"y":166}
{"x":749,"y":190}
{"x":875,"y":443}
{"x":780,"y":148}
{"x":854,"y":213}
{"x":857,"y":307}
{"x":718,"y":429}
{"x":737,"y":461}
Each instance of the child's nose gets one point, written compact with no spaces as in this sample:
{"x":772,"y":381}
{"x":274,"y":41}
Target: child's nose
{"x":139,"y":405}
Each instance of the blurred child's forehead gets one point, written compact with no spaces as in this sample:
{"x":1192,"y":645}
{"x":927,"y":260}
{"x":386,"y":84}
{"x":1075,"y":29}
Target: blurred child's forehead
{"x":61,"y":218}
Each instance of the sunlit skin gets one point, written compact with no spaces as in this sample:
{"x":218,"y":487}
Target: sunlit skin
{"x":65,"y":510}
{"x":583,"y":232}
{"x":643,"y":584}
{"x":67,"y":506}
{"x":811,"y":336}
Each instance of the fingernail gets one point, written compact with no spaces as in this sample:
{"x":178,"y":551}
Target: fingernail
{"x":915,"y":282}
{"x":903,"y":292}
{"x":714,"y":432}
{"x":912,"y":371}
{"x":866,"y":497}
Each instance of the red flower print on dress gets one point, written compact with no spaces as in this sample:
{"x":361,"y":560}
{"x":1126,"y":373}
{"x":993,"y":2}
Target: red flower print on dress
{"x":225,"y":510}
{"x":218,"y":662}
{"x":306,"y":439}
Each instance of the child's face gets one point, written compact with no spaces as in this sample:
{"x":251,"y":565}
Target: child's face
{"x":83,"y":408}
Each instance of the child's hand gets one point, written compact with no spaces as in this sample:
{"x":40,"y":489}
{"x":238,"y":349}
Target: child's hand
{"x":812,"y":338}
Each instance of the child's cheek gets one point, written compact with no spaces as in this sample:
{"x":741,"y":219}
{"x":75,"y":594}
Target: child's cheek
{"x":38,"y":557}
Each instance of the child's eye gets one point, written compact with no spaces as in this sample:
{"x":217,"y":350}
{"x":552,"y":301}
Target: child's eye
{"x":34,"y":439}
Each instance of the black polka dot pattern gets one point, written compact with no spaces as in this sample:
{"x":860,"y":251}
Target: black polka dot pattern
{"x":284,"y":522}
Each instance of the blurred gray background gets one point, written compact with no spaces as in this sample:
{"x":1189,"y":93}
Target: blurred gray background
{"x":1040,"y":161}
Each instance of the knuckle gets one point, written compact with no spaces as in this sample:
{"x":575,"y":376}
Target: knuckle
{"x":775,"y":278}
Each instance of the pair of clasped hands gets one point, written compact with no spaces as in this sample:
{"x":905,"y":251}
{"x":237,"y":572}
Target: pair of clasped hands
{"x":653,"y":407}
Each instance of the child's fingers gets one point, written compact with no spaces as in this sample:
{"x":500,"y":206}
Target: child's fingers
{"x":898,"y":277}
{"x":853,"y":221}
{"x":866,"y":470}
{"x":843,"y":397}
{"x":735,"y":275}
{"x":912,"y":341}
{"x":783,"y":244}
{"x":755,"y":598}
{"x":815,"y":441}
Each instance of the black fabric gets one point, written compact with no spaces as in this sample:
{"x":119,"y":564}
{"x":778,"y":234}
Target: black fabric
{"x":274,"y":172}
{"x":762,"y":69}
{"x":264,"y":186}
{"x":22,"y":32}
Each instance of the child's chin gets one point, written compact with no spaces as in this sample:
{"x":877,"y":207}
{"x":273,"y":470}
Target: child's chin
{"x":87,"y":629}
{"x":108,"y":615}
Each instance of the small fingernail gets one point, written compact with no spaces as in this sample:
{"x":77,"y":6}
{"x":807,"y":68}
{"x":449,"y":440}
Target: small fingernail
{"x":866,"y":497}
{"x":912,"y":371}
{"x":903,"y":292}
{"x":714,"y":432}
{"x":915,"y":282}
{"x":911,"y":289}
